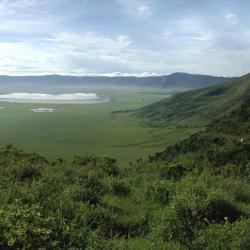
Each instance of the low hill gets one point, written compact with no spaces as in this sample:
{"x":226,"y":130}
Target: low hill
{"x":197,"y":107}
{"x":176,"y":80}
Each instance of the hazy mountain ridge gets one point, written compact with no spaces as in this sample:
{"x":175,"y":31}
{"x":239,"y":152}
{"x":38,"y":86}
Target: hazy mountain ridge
{"x":176,"y":80}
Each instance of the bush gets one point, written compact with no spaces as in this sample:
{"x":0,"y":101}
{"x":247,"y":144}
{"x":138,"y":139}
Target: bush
{"x":160,"y":192}
{"x":224,"y":236}
{"x":109,"y":166}
{"x":190,"y":211}
{"x":88,"y":189}
{"x":174,"y":171}
{"x":120,"y":188}
{"x":84,"y":160}
{"x":106,"y":164}
{"x":132,"y":225}
{"x":180,"y":221}
{"x":220,"y":207}
{"x":24,"y":172}
{"x":26,"y":227}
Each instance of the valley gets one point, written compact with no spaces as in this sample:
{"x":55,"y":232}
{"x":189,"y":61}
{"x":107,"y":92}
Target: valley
{"x":193,"y":193}
{"x":68,"y":130}
{"x":124,"y":125}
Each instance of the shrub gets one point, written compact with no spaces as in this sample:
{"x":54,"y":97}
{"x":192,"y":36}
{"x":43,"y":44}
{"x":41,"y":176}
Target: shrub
{"x":120,"y":188}
{"x":122,"y":224}
{"x":161,"y":192}
{"x":24,"y":172}
{"x":89,"y":189}
{"x":220,"y":207}
{"x":26,"y":227}
{"x":84,"y":160}
{"x":109,"y":166}
{"x":224,"y":236}
{"x":174,"y":171}
{"x":190,"y":211}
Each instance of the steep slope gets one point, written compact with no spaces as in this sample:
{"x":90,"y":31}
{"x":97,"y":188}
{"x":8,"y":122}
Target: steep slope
{"x":197,"y":107}
{"x":176,"y":80}
{"x":227,"y":137}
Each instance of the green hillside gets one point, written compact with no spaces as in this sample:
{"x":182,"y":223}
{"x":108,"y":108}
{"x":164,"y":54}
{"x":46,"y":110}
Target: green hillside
{"x":198,"y":107}
{"x":193,"y":195}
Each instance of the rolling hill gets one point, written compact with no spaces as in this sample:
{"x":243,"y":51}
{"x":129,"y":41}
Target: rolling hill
{"x":176,"y":80}
{"x":197,"y":107}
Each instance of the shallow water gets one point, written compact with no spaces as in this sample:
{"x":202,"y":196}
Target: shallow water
{"x":65,"y":98}
{"x":43,"y":110}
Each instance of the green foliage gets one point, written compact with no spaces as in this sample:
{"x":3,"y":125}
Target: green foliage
{"x":192,"y":210}
{"x":161,"y":192}
{"x":120,"y":188}
{"x":224,"y":236}
{"x":26,"y":227}
{"x":173,"y":171}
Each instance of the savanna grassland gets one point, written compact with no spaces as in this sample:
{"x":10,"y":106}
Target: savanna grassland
{"x":88,"y":128}
{"x":191,"y":194}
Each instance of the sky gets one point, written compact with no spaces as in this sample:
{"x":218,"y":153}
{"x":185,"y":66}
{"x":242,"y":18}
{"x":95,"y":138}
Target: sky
{"x":124,"y":37}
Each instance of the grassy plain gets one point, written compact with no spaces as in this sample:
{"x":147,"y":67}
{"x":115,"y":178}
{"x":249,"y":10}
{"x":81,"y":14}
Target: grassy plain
{"x":88,"y":128}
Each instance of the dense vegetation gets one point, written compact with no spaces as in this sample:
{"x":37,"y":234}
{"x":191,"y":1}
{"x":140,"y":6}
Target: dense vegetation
{"x":197,"y":107}
{"x":193,"y":195}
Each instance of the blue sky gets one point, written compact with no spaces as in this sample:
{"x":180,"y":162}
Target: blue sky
{"x":124,"y":37}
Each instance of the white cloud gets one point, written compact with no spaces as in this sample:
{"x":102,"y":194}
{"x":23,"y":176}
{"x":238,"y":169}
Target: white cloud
{"x":92,"y":40}
{"x":61,"y":37}
{"x":23,"y":57}
{"x":28,"y":17}
{"x":231,"y":18}
{"x":62,"y":53}
{"x":144,"y":11}
{"x":8,"y":7}
{"x":188,"y":33}
{"x":189,"y":49}
{"x":135,"y":8}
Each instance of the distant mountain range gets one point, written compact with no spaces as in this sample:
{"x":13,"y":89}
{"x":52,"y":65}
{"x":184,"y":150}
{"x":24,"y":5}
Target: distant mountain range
{"x":197,"y":107}
{"x":176,"y":80}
